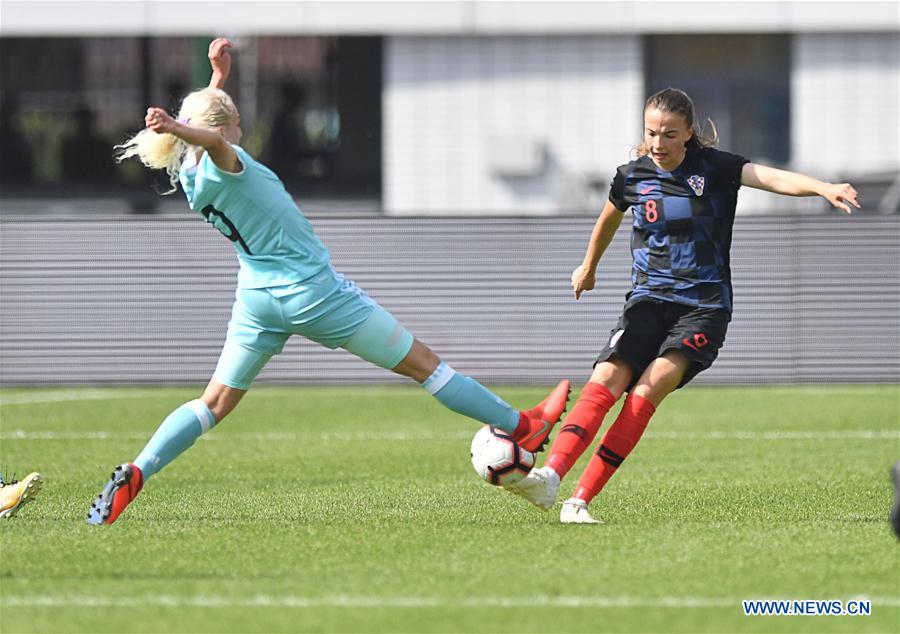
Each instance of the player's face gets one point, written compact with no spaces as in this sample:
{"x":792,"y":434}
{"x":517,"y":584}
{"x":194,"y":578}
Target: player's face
{"x":665,"y":135}
{"x":232,"y":132}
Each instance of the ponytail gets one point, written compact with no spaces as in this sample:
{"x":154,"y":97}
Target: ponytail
{"x":700,"y":139}
{"x":156,"y":151}
{"x":208,"y":108}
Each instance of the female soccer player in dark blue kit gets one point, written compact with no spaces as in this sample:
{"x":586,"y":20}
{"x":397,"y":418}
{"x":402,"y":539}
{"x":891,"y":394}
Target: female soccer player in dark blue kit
{"x":682,"y":194}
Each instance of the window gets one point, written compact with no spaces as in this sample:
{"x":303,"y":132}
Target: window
{"x":310,"y":109}
{"x":741,"y":82}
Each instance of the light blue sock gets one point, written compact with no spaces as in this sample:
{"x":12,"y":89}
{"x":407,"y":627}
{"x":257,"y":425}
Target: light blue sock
{"x":468,"y":397}
{"x":175,"y":435}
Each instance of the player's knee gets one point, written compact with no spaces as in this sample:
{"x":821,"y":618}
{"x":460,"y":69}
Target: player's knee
{"x":662,"y":377}
{"x":653,"y":393}
{"x":430,"y":360}
{"x":221,"y":399}
{"x":419,"y":362}
{"x":613,"y":374}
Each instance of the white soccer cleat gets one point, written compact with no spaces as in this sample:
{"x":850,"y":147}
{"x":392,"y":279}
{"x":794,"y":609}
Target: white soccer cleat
{"x":15,"y":494}
{"x":540,"y":487}
{"x":575,"y":511}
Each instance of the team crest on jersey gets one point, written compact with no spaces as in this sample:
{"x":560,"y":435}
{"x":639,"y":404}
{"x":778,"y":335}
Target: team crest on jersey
{"x":696,"y":183}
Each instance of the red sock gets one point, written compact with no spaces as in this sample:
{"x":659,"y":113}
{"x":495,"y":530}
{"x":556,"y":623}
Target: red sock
{"x":580,"y":428}
{"x":522,"y":429}
{"x":615,"y":446}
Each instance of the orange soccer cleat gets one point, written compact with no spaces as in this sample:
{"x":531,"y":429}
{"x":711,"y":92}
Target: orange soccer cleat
{"x":538,"y":421}
{"x":124,"y":484}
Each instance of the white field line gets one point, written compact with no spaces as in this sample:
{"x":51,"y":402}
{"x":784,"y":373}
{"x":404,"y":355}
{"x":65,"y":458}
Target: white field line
{"x":57,"y":396}
{"x":36,"y":397}
{"x":113,"y":393}
{"x":855,"y":434}
{"x":420,"y":436}
{"x":292,"y":601}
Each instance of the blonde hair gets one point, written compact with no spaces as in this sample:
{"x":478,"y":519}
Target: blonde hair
{"x":677,"y":102}
{"x":206,"y":108}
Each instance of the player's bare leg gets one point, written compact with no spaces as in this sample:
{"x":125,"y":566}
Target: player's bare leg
{"x":419,"y":363}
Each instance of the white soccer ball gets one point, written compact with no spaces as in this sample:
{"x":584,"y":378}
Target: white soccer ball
{"x":498,"y":459}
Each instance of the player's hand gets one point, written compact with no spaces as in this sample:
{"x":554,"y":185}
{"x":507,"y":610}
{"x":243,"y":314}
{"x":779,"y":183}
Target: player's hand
{"x":159,"y":121}
{"x":841,"y":196}
{"x":219,"y":57}
{"x":583,"y":279}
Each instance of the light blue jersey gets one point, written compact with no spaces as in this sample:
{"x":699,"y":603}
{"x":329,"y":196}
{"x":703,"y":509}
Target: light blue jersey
{"x":286,"y":287}
{"x":275,"y":243}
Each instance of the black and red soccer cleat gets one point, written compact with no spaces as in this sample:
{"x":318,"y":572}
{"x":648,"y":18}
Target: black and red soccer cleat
{"x":124,"y":484}
{"x":541,"y":419}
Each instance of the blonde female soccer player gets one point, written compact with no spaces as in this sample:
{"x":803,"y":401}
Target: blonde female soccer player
{"x":286,"y":286}
{"x":682,"y":195}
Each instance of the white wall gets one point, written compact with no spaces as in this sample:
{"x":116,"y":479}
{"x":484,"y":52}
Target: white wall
{"x":457,"y":108}
{"x":490,"y":295}
{"x":459,"y":17}
{"x":845,"y":102}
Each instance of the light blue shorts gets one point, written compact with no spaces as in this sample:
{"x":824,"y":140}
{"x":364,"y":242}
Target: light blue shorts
{"x":327,"y":309}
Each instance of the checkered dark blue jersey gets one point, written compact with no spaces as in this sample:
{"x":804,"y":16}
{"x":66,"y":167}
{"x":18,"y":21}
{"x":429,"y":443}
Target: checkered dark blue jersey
{"x":681,"y":240}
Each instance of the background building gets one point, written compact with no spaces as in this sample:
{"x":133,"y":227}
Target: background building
{"x":462,"y":107}
{"x":452,"y":155}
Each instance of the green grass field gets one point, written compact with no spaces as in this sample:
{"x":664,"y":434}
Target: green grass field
{"x":356,"y":510}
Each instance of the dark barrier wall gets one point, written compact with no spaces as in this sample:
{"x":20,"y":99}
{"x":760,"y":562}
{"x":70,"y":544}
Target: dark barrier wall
{"x":146,"y":300}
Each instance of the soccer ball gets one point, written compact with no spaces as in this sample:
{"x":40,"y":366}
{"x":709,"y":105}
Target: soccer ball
{"x":498,"y":459}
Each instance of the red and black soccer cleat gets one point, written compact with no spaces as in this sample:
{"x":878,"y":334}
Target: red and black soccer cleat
{"x":543,"y":417}
{"x":124,"y":484}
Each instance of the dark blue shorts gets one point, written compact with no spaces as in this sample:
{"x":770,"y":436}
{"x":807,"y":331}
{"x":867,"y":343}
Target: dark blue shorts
{"x":650,"y":327}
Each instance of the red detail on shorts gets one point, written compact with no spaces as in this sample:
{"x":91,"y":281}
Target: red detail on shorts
{"x":699,"y":341}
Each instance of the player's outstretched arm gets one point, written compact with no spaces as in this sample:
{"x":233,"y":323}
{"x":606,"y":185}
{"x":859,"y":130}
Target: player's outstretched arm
{"x":219,"y":150}
{"x":841,"y":195}
{"x":220,"y":60}
{"x":584,"y":277}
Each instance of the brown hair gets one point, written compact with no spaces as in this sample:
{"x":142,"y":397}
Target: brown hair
{"x":677,"y":102}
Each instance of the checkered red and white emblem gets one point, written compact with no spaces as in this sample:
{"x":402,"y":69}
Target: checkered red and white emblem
{"x":696,"y":183}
